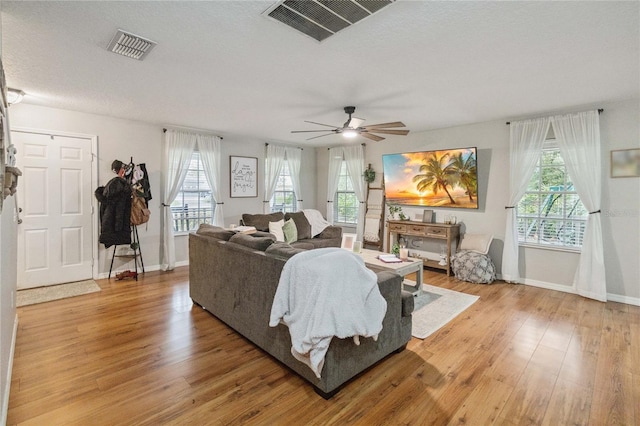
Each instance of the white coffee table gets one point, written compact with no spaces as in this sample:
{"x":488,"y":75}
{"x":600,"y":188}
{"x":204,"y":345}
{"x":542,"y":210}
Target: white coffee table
{"x":403,"y":268}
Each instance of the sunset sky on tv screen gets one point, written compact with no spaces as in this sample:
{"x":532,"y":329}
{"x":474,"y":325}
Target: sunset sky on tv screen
{"x":444,"y":178}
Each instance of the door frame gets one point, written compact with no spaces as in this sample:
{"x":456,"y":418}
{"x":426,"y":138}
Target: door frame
{"x":94,"y":184}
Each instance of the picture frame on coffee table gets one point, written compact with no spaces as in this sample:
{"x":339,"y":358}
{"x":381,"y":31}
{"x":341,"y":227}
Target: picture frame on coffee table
{"x":348,"y":240}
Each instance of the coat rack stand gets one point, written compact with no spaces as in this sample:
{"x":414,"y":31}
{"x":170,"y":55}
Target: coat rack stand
{"x":137,"y":252}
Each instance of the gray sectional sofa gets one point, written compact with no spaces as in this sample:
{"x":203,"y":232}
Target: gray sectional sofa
{"x":235,"y":277}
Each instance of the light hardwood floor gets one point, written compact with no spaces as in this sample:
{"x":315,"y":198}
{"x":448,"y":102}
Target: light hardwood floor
{"x":142,"y":353}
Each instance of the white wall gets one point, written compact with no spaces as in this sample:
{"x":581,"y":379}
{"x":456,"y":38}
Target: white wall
{"x":121,"y":139}
{"x":546,"y":268}
{"x":620,"y":129}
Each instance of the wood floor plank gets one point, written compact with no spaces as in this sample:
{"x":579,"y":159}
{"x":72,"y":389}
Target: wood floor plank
{"x":142,"y":353}
{"x":528,"y":402}
{"x":614,"y":377}
{"x":569,"y":405}
{"x":484,"y":404}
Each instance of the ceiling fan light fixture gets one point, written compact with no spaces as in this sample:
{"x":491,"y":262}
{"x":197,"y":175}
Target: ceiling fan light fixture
{"x":353,"y":127}
{"x":349,"y":133}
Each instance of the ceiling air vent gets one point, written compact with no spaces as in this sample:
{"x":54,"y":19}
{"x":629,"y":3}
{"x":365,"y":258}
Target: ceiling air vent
{"x":320,"y":19}
{"x":130,"y":45}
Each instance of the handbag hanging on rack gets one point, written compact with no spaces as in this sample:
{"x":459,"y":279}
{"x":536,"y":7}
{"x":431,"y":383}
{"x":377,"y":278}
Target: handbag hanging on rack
{"x":139,"y":212}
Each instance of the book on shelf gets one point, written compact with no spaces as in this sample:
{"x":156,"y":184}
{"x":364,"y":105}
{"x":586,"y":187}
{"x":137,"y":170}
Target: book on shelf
{"x":244,"y":229}
{"x":389,"y":258}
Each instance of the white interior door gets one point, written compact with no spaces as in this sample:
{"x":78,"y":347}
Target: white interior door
{"x":55,"y":240}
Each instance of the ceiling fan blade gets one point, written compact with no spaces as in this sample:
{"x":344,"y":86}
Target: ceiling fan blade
{"x":373,"y":137}
{"x":394,"y":124}
{"x":389,"y":132}
{"x":355,"y":122}
{"x":310,"y":131}
{"x":321,"y":136}
{"x":320,"y":124}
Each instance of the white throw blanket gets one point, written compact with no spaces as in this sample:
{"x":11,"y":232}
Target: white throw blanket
{"x":324,"y":293}
{"x":318,"y":223}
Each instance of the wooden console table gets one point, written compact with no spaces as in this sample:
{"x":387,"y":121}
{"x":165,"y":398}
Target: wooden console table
{"x":440,"y":231}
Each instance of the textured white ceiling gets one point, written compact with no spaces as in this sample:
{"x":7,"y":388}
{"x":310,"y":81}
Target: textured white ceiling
{"x":223,"y":66}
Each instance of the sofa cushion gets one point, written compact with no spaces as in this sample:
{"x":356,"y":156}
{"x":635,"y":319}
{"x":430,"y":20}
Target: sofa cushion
{"x":303,"y":244}
{"x":323,"y":242}
{"x":255,"y":243}
{"x":283,"y":250}
{"x":215,"y":231}
{"x":261,"y":221}
{"x":302,"y":224}
{"x":290,"y":231}
{"x":275,"y":228}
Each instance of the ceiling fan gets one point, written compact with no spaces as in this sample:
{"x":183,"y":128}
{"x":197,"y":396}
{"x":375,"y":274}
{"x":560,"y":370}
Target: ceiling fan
{"x":353,"y":127}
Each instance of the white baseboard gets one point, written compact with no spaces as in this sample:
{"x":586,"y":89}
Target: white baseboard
{"x":146,"y":269}
{"x":7,"y":388}
{"x":623,"y":299}
{"x":566,"y":289}
{"x":550,"y":286}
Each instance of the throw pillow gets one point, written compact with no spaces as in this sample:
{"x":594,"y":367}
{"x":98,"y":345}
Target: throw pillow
{"x":479,"y":243}
{"x":290,"y":231}
{"x":275,"y":228}
{"x":302,"y":224}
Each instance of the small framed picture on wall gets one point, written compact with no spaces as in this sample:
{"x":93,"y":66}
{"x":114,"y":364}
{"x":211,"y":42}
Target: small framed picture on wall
{"x":625,"y":163}
{"x":243,"y":176}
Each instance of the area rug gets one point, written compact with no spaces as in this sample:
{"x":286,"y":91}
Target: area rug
{"x":436,"y":307}
{"x":31,"y":296}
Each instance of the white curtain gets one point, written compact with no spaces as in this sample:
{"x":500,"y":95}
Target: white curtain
{"x":272,"y":168}
{"x":526,"y":140}
{"x":178,"y":148}
{"x":335,"y":162}
{"x":578,"y":136}
{"x":294,"y":159}
{"x":209,"y":148}
{"x":354,"y":157}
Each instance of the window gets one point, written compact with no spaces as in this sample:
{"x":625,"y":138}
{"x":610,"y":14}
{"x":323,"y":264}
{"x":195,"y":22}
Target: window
{"x":550,"y":214}
{"x":194,"y":203}
{"x":345,"y":203}
{"x":284,"y":198}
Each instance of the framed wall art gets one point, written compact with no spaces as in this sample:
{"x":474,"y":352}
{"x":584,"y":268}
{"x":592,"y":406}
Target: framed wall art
{"x":415,"y":178}
{"x":625,"y":163}
{"x":243,"y":176}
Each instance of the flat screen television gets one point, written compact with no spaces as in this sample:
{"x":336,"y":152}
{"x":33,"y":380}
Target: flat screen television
{"x":442,"y":178}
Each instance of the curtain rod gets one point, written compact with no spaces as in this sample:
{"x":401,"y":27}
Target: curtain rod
{"x":600,"y":111}
{"x":164,"y":130}
{"x":363,"y":144}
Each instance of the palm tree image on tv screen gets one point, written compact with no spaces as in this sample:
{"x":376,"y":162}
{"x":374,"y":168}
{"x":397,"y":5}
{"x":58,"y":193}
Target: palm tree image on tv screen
{"x":443,"y":178}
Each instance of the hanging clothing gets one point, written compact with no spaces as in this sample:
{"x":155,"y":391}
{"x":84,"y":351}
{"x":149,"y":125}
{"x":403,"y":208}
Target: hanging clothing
{"x":115,"y":212}
{"x":140,"y":182}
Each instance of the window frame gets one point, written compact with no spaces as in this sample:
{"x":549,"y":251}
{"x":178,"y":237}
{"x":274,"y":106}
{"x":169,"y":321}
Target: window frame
{"x":199,"y":218}
{"x":283,"y":177}
{"x":344,"y":180}
{"x":543,"y":193}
